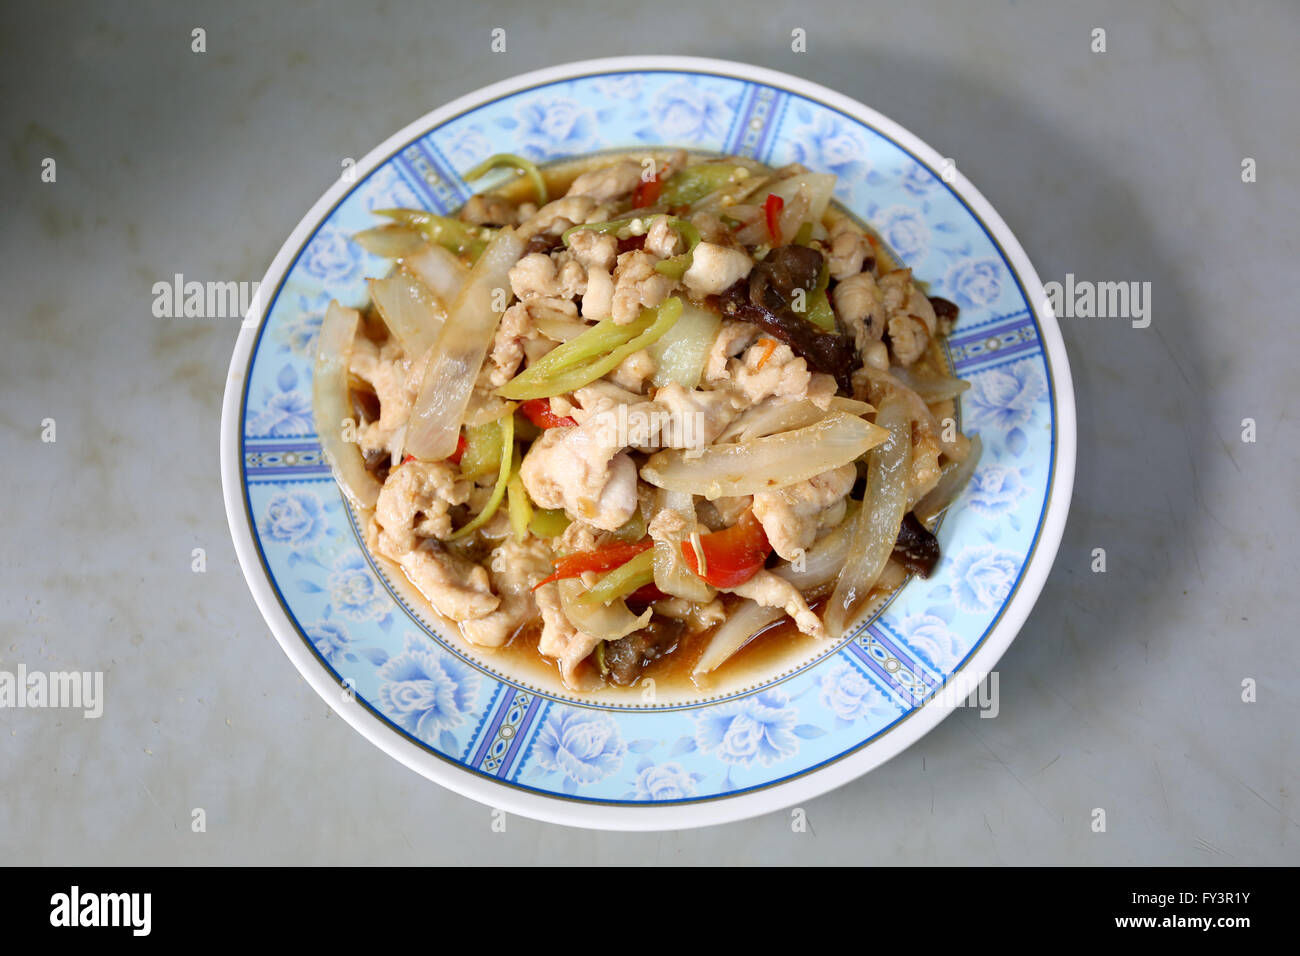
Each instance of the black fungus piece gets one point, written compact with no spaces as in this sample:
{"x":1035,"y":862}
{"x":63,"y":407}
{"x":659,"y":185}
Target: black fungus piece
{"x":765,"y":297}
{"x":916,"y":548}
{"x":786,"y":269}
{"x":944,"y":311}
{"x":379,"y":463}
{"x":542,"y":243}
{"x":628,"y":656}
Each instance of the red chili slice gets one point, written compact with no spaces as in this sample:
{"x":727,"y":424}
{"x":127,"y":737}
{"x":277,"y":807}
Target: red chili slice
{"x":538,"y":411}
{"x":772,"y":210}
{"x":733,"y":555}
{"x":606,"y":559}
{"x":647,"y":192}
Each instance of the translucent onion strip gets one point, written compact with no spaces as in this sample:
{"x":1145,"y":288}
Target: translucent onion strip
{"x":735,"y":632}
{"x":459,"y":350}
{"x":875,"y":528}
{"x":410,"y":310}
{"x":765,"y":464}
{"x":440,"y":270}
{"x":608,"y":622}
{"x":953,"y":479}
{"x":332,"y":406}
{"x":682,"y":352}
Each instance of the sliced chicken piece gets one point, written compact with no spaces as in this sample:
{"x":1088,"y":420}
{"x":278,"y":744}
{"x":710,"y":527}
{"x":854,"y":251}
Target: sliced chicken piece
{"x":634,"y":371}
{"x":514,"y":569}
{"x":698,"y":617}
{"x":414,"y":504}
{"x":695,"y":416}
{"x":595,"y":250}
{"x":733,"y":338}
{"x":768,"y":590}
{"x":791,"y":515}
{"x":910,"y":318}
{"x":560,"y":639}
{"x":663,"y":240}
{"x":763,"y":373}
{"x":557,"y":216}
{"x":484,"y":210}
{"x":860,"y":306}
{"x":584,"y":471}
{"x":457,"y":588}
{"x":607,"y":182}
{"x":387,"y":371}
{"x":716,"y":267}
{"x":537,"y":274}
{"x":637,"y":286}
{"x":848,"y":248}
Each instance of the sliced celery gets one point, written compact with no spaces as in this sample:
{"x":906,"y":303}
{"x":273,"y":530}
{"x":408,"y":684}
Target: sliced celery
{"x":459,"y":237}
{"x":819,"y":311}
{"x":498,"y":490}
{"x":548,"y":522}
{"x":695,"y":182}
{"x":520,"y":508}
{"x":623,"y":580}
{"x":482,"y":454}
{"x":585,"y":361}
{"x":527,"y":167}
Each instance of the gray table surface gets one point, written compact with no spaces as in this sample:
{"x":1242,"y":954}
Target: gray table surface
{"x":1123,"y":691}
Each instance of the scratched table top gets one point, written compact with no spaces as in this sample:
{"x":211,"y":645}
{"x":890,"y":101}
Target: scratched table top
{"x":1147,"y":712}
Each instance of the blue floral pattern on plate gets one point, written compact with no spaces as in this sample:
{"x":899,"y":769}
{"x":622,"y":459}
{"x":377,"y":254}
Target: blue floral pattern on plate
{"x":524,"y":736}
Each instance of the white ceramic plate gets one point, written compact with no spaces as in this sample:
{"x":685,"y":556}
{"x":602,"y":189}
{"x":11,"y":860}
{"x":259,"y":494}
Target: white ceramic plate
{"x":760,"y":741}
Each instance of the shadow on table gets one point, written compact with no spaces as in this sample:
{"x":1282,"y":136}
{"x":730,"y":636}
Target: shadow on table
{"x":1148,"y":456}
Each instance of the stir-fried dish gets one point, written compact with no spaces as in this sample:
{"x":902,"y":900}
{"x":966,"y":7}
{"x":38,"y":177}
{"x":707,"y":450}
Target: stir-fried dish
{"x":681,"y":402}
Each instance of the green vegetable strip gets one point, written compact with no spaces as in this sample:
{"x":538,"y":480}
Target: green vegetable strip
{"x":548,"y":522}
{"x":632,"y":530}
{"x":578,"y":367}
{"x":613,"y":225}
{"x":676,"y":267}
{"x":482,"y":450}
{"x":452,"y":234}
{"x":503,"y":478}
{"x":804,"y":235}
{"x":520,"y":508}
{"x":517,"y":162}
{"x":624,"y":579}
{"x":820,"y":312}
{"x":695,"y":182}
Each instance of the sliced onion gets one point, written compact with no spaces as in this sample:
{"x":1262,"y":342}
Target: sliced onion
{"x":765,"y":464}
{"x":439,"y":269}
{"x":851,"y":405}
{"x":875,"y":528}
{"x":392,"y":241}
{"x":608,"y":622}
{"x":332,"y":406}
{"x":771,"y":418}
{"x":744,"y":624}
{"x":459,"y":350}
{"x":410,"y":311}
{"x":682,"y":352}
{"x":823,"y":560}
{"x":817,"y":187}
{"x":952,"y":480}
{"x":931,"y":389}
{"x":557,"y":328}
{"x":672,"y":575}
